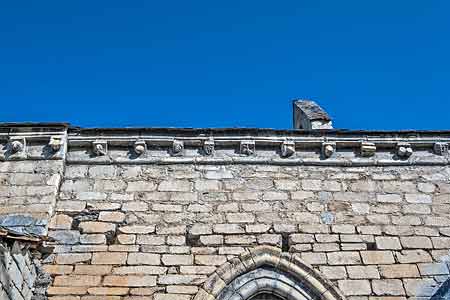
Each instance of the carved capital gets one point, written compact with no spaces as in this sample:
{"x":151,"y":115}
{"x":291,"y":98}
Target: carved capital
{"x":100,"y":147}
{"x":248,"y":148}
{"x":328,"y":149}
{"x":287,"y":148}
{"x":404,"y":150}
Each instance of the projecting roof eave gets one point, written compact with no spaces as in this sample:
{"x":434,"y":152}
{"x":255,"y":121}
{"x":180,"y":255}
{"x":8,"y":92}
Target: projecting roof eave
{"x":34,"y":124}
{"x":253,"y":132}
{"x":244,"y":131}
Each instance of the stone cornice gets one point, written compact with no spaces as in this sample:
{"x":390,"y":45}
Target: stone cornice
{"x":259,"y":146}
{"x":222,"y":146}
{"x":33,"y":141}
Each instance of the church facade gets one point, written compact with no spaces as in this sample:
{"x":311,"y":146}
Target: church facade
{"x":224,"y":214}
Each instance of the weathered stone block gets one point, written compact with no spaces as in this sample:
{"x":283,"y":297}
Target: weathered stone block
{"x":377,"y":257}
{"x":355,"y":287}
{"x":388,"y":287}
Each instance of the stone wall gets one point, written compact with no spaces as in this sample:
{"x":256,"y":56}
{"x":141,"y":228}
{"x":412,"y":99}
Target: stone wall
{"x":28,"y":192}
{"x":210,"y":214}
{"x":17,"y":272}
{"x":136,"y":231}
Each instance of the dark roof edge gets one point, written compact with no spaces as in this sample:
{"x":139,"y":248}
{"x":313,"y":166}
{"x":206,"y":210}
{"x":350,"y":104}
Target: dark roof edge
{"x":233,"y":130}
{"x":251,"y":131}
{"x":35,"y":124}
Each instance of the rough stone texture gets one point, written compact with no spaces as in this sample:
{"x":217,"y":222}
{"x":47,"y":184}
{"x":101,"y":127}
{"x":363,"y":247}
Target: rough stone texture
{"x":166,"y":243}
{"x":18,"y":273}
{"x":28,"y":191}
{"x":140,"y":228}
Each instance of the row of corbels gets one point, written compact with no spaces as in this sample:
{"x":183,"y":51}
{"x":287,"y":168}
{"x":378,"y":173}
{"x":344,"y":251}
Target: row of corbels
{"x":368,"y":149}
{"x":248,"y":148}
{"x":17,"y":145}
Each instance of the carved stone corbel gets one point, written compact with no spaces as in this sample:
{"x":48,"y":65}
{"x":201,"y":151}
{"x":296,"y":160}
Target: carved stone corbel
{"x":55,"y":143}
{"x":368,"y":149}
{"x":328,"y":149}
{"x":404,"y":150}
{"x":209,"y":147}
{"x":140,"y":147}
{"x":247,"y":148}
{"x":177,"y":148}
{"x":100,"y":147}
{"x":287,"y":148}
{"x":441,"y":148}
{"x":16,"y":145}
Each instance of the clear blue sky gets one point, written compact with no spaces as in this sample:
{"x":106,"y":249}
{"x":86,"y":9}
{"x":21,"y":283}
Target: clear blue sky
{"x":372,"y":64}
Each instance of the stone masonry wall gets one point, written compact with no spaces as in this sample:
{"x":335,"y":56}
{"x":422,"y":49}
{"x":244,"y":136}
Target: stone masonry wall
{"x":28,"y":191}
{"x":135,"y":232}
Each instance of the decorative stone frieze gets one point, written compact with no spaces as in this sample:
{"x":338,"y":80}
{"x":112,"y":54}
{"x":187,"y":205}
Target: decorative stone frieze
{"x":248,"y":147}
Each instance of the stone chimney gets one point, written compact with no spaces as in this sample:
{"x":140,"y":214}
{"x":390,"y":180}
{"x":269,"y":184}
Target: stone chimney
{"x":308,"y":115}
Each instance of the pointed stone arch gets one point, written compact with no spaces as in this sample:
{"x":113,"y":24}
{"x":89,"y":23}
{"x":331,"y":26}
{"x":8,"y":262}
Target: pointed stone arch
{"x":266,"y":269}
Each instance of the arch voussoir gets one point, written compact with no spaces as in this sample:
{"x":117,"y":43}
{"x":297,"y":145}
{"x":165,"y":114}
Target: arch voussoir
{"x":229,"y":281}
{"x":203,"y":295}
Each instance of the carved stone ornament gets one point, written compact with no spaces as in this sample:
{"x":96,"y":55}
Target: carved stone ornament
{"x":248,"y":148}
{"x":287,"y":148}
{"x":368,"y":149}
{"x":100,"y":147}
{"x":208,"y":147}
{"x":177,"y":148}
{"x":55,"y":143}
{"x":404,"y":150}
{"x":16,"y":145}
{"x":441,"y":148}
{"x":328,"y":149}
{"x":140,"y":147}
